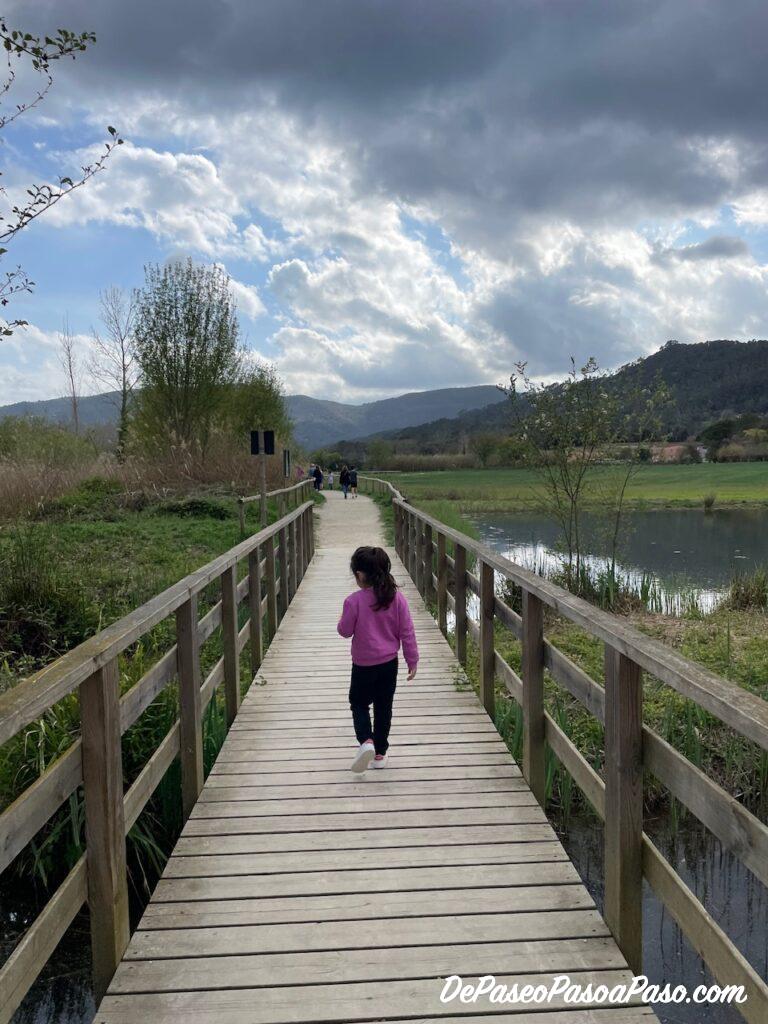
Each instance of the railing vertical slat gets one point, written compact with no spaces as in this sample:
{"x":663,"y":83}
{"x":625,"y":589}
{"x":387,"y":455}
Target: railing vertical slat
{"x":429,"y":594}
{"x":104,"y":822}
{"x":284,"y":572}
{"x":190,"y":714}
{"x":270,"y":572}
{"x":460,"y":604}
{"x":624,"y":804}
{"x":254,"y":602}
{"x":229,"y":638}
{"x":487,"y":652}
{"x":534,"y":755}
{"x":293,"y":562}
{"x":442,"y":585}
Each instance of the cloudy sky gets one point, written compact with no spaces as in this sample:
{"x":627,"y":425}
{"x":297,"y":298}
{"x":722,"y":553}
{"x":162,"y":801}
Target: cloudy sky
{"x":408,"y":194}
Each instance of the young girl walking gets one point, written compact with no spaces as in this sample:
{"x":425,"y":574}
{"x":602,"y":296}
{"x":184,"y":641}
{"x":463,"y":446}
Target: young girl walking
{"x":378,"y":619}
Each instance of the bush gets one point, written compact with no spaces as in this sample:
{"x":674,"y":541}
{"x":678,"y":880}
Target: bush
{"x":42,"y":610}
{"x":195,"y":508}
{"x":748,"y":591}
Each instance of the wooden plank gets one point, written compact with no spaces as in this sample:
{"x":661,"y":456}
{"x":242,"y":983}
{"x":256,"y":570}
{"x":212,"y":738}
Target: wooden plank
{"x":347,"y":934}
{"x":255,"y":621}
{"x":487,"y":652}
{"x":270,"y":574}
{"x":216,"y":864}
{"x":624,"y":804}
{"x":362,"y":839}
{"x":352,"y":1002}
{"x":534,"y":757}
{"x":442,"y":585}
{"x":284,"y":594}
{"x":460,"y":599}
{"x":104,"y":822}
{"x":507,"y":901}
{"x":229,"y":642}
{"x":350,"y":965}
{"x":315,"y":883}
{"x":190,"y":712}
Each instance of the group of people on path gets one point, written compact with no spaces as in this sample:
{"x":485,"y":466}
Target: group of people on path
{"x":347,"y":479}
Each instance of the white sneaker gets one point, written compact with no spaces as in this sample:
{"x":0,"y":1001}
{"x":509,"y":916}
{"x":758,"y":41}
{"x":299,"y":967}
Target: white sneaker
{"x":365,"y":754}
{"x":380,"y":762}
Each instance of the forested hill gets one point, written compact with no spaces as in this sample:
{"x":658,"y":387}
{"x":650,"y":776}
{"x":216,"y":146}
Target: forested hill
{"x":707,"y":381}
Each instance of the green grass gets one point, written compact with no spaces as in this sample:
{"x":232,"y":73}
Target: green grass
{"x":84,"y":562}
{"x":491,"y":490}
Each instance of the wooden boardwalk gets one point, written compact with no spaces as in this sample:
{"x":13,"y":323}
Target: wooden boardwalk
{"x":298,"y":892}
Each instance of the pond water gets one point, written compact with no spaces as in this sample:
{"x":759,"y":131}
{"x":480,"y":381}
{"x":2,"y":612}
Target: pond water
{"x":689,"y":554}
{"x":733,"y":896}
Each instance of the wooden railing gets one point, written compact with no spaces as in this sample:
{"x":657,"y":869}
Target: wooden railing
{"x":287,"y":498}
{"x":277,"y":558}
{"x":630,"y":746}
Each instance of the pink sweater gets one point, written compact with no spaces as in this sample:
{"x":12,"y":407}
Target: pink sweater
{"x":377,"y":635}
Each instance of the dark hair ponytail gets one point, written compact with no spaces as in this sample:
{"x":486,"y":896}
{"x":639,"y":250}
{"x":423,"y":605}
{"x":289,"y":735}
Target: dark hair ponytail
{"x":375,"y":565}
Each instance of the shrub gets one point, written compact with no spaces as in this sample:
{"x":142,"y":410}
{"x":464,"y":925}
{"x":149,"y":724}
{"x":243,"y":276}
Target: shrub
{"x":748,"y":591}
{"x":709,"y":502}
{"x":42,"y":610}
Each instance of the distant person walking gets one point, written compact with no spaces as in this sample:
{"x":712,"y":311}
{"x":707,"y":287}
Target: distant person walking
{"x":344,"y":480}
{"x":318,"y":475}
{"x":353,"y":481}
{"x":330,"y":480}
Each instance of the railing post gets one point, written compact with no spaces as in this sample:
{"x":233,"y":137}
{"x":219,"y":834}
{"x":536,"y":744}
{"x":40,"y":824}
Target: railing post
{"x":487,"y":649}
{"x":241,"y":516}
{"x":254,"y":602}
{"x":534,"y":755}
{"x":460,"y":603}
{"x":229,"y":638}
{"x":428,"y":559}
{"x":624,"y":804}
{"x":104,"y":822}
{"x":283,"y":595}
{"x":419,"y":546}
{"x":442,"y":585}
{"x":271,"y":576}
{"x":300,"y":550}
{"x":281,"y":505}
{"x":190,"y":714}
{"x":292,"y":560}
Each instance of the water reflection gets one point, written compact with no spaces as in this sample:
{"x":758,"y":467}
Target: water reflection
{"x":690,"y":555}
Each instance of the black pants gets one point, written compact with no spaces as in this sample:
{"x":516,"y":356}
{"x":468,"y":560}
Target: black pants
{"x":373,"y":684}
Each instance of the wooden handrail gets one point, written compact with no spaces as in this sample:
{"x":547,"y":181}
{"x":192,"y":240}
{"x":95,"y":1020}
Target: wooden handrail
{"x":94,"y":761}
{"x":286,"y":495}
{"x":630,"y":746}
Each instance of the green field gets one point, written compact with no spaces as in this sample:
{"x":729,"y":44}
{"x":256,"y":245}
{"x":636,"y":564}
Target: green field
{"x":491,"y":490}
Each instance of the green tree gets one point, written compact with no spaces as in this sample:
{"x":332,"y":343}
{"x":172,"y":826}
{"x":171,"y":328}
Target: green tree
{"x":483,"y":446}
{"x":258,"y":402}
{"x":187,"y":347}
{"x":562,"y":428}
{"x":379,"y":454}
{"x":36,"y":55}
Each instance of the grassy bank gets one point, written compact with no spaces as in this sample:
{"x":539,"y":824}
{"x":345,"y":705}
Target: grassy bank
{"x":85,"y":560}
{"x":495,"y":490}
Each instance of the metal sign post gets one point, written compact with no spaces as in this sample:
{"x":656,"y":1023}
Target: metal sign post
{"x":263,"y":444}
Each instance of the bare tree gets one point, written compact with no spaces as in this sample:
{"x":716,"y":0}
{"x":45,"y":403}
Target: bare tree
{"x":37,"y":54}
{"x":71,"y":363}
{"x":113,"y":360}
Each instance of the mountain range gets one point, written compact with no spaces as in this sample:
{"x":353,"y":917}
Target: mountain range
{"x":317,"y":422}
{"x":707,"y":381}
